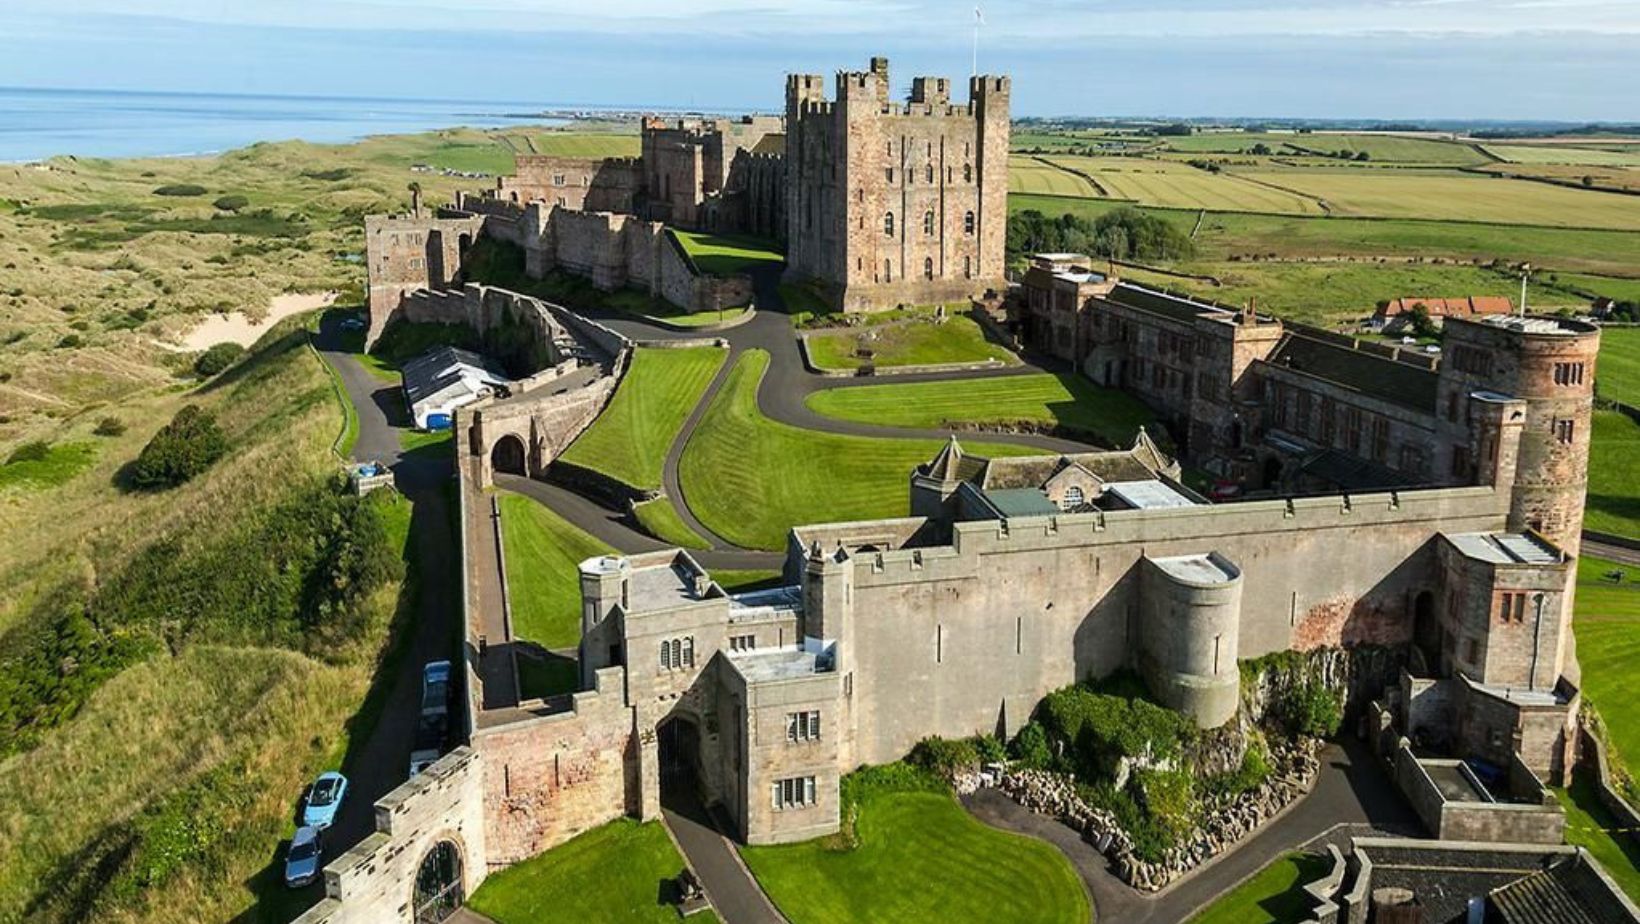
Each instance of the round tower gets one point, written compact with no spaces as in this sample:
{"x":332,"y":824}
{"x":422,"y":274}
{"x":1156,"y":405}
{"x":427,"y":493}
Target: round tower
{"x":1190,"y":614}
{"x":1549,"y":363}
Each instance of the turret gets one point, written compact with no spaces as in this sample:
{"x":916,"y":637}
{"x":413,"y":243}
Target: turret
{"x":604,"y":591}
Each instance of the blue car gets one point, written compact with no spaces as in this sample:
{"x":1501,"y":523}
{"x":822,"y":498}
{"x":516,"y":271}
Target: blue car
{"x":302,"y":859}
{"x":324,"y":799}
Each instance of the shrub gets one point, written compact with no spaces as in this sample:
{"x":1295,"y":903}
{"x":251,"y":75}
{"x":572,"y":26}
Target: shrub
{"x":944,"y":757}
{"x":109,"y":426}
{"x":231,"y":203}
{"x":180,"y":189}
{"x":1030,"y":747}
{"x":182,"y":449}
{"x":32,"y":451}
{"x":71,"y":342}
{"x":218,"y":358}
{"x":1096,"y":730}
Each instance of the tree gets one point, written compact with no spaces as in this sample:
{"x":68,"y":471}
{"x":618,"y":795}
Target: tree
{"x":1419,"y":321}
{"x":182,"y":449}
{"x":218,"y":358}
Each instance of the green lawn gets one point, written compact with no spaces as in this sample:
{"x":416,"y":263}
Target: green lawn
{"x":613,"y":873}
{"x":42,"y":465}
{"x":737,"y":581}
{"x":660,"y":519}
{"x":549,"y":676}
{"x":1273,"y":895}
{"x":1617,"y":373}
{"x":751,"y":479}
{"x":413,"y":440}
{"x":544,"y":552}
{"x":912,"y":343}
{"x":628,"y":441}
{"x":728,"y":254}
{"x":1589,"y":824}
{"x":920,"y":857}
{"x":1614,"y":474}
{"x":1607,"y":624}
{"x":1110,"y":415}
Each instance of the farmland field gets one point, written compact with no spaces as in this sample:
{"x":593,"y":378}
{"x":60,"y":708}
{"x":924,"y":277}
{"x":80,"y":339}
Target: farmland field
{"x":1562,"y":154}
{"x":1179,"y":185}
{"x":1378,"y":147}
{"x":1459,"y":198}
{"x":1028,"y":175}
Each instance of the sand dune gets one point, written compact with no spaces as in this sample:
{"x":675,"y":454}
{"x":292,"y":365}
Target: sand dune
{"x":238,"y":328}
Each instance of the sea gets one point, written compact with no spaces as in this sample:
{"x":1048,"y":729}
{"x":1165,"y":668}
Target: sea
{"x":38,"y":123}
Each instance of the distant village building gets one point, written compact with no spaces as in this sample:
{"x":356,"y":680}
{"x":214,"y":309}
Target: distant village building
{"x":1439,"y":309}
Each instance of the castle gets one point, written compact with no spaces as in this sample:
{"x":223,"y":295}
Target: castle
{"x":879,"y":203}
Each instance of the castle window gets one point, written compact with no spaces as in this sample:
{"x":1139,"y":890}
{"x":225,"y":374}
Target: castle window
{"x":968,"y":223}
{"x":1563,"y":430}
{"x":1568,"y":373}
{"x":557,"y":179}
{"x":1073,"y":498}
{"x":888,"y":270}
{"x":803,"y":726}
{"x":891,"y":149}
{"x":794,"y":793}
{"x":968,"y":173}
{"x":967,"y":267}
{"x":1380,"y":438}
{"x":677,"y":652}
{"x":888,"y":224}
{"x":742,"y":642}
{"x":928,"y":267}
{"x":889,"y":174}
{"x":930,"y":173}
{"x":562,"y":202}
{"x":928,"y":222}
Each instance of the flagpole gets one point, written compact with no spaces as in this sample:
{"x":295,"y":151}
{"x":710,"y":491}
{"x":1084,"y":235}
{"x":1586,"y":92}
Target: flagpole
{"x":979,"y":20}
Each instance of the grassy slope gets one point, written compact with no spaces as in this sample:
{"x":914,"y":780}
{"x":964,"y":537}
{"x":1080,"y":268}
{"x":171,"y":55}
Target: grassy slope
{"x":1607,"y":625}
{"x":1617,"y":374}
{"x":1614,"y":472}
{"x":1273,"y":895}
{"x":1588,"y":825}
{"x":628,"y":441}
{"x":751,"y":479}
{"x":266,"y":718}
{"x":912,"y":343}
{"x":727,"y":254}
{"x":612,"y":873}
{"x":920,"y":857}
{"x":544,"y":552}
{"x":661,"y":520}
{"x":1065,"y":400}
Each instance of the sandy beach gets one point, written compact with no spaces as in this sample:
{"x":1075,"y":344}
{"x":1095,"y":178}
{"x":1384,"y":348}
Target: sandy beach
{"x":238,"y":328}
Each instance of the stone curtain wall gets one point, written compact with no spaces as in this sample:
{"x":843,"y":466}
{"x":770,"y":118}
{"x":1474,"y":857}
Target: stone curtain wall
{"x":407,"y":253}
{"x":549,"y":778}
{"x":375,"y":881}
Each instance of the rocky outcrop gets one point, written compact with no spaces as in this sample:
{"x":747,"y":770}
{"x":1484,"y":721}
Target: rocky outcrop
{"x":1361,"y":673}
{"x":1225,"y":820}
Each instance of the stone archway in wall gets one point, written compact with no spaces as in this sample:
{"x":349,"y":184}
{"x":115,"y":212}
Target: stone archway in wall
{"x":440,"y":886}
{"x":678,"y":754}
{"x":509,"y":455}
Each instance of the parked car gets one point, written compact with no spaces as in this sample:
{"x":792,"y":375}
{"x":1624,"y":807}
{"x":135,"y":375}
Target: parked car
{"x":435,"y":688}
{"x":302,"y":858}
{"x":352,"y":322}
{"x":429,"y":744}
{"x":324,"y":799}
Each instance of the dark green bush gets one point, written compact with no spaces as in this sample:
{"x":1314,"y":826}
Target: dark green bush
{"x":109,"y":426}
{"x":31,"y":451}
{"x":1096,"y":730}
{"x":231,"y":203}
{"x":182,"y":449}
{"x":71,"y":342}
{"x":180,"y":189}
{"x":218,"y":358}
{"x":989,"y":748}
{"x":944,"y":756}
{"x":1030,"y":747}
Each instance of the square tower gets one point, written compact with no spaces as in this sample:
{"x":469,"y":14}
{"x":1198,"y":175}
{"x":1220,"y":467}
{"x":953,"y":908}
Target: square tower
{"x":896,"y":203}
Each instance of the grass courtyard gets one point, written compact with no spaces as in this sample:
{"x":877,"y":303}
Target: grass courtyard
{"x":914,"y":342}
{"x":614,"y":873}
{"x":728,"y":254}
{"x":629,"y":440}
{"x":543,"y":553}
{"x":1273,"y":895}
{"x":918,"y":856}
{"x":751,"y":479}
{"x":1590,"y":826}
{"x":1111,"y":416}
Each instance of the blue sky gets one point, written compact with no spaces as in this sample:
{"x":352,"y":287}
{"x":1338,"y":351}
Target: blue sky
{"x":1522,"y":59}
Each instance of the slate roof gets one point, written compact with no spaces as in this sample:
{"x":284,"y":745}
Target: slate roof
{"x":1021,"y":502}
{"x":1351,"y":473}
{"x":1569,"y":891}
{"x":1177,"y":307}
{"x":1358,"y":370}
{"x":1141,"y":463}
{"x":438,"y":369}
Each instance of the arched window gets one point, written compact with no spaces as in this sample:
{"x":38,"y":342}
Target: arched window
{"x":968,"y":223}
{"x":968,"y":173}
{"x":888,"y":224}
{"x":928,"y":222}
{"x":1073,"y":498}
{"x":928,"y":267}
{"x":967,"y":267}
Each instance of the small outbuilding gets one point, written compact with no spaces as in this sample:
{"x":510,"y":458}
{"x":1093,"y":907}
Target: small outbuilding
{"x":446,"y":378}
